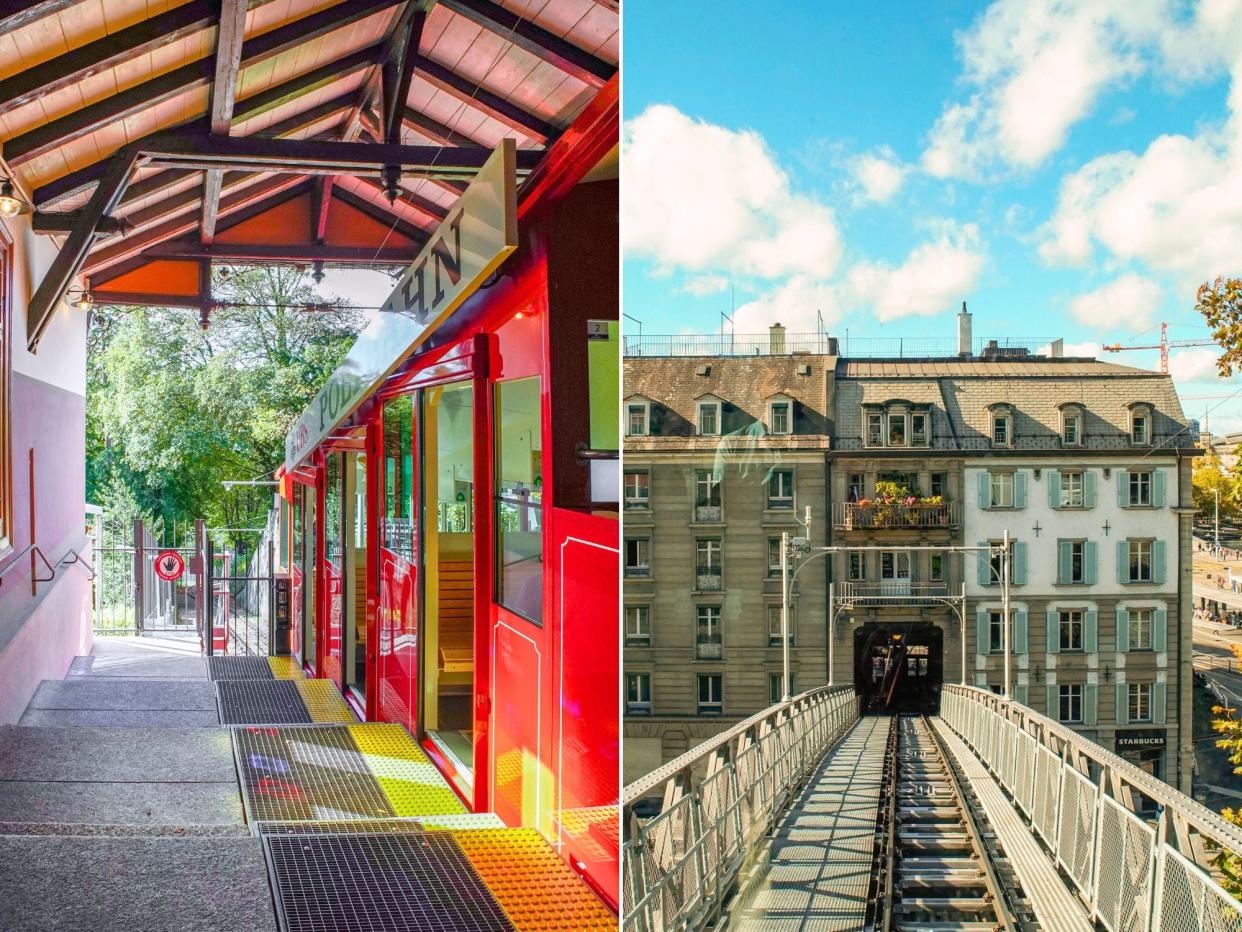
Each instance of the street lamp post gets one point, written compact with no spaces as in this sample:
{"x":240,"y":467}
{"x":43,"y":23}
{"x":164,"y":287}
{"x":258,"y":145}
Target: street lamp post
{"x":1217,"y":491}
{"x":1005,"y":564}
{"x":785,"y":697}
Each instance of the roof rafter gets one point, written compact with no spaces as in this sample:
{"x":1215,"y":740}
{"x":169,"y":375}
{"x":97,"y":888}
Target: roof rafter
{"x":397,"y":69}
{"x":229,"y":38}
{"x":157,"y":90}
{"x":534,"y":39}
{"x":14,"y":14}
{"x":264,"y":252}
{"x":495,"y":106}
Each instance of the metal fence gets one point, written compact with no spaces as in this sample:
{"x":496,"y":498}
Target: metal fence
{"x":718,"y":800}
{"x":239,"y":613}
{"x":131,"y":598}
{"x":766,"y":344}
{"x":1140,"y":853}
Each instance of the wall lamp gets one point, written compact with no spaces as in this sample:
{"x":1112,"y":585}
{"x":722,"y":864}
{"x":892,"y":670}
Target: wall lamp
{"x":83,"y":300}
{"x":12,"y":203}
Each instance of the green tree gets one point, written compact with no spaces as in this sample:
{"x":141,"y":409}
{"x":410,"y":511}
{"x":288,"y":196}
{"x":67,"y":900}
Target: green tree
{"x":174,"y":409}
{"x":1220,"y":303}
{"x":1208,"y":478}
{"x":1229,"y":726}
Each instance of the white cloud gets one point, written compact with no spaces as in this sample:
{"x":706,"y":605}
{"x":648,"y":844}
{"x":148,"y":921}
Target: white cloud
{"x":878,"y":175}
{"x":1031,"y":71}
{"x":933,"y":278}
{"x":1087,"y":350}
{"x":1126,"y":303}
{"x":796,"y":304}
{"x":704,"y":198}
{"x":1190,"y":365}
{"x":701,"y":285}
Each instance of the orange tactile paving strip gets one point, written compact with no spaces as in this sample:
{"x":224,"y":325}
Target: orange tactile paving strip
{"x":536,"y":889}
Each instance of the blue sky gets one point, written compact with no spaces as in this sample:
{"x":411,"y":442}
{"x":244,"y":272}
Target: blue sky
{"x":1069,"y":169}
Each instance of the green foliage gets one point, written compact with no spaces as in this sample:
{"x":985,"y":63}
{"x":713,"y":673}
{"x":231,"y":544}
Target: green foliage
{"x":174,"y":409}
{"x":1220,"y":303}
{"x":1229,"y":726}
{"x":1207,"y":479}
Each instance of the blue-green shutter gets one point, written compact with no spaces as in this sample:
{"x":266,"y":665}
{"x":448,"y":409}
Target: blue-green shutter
{"x":1088,"y":488}
{"x":1160,"y":630}
{"x":1157,"y":562}
{"x":983,"y":636}
{"x":1019,"y":488}
{"x":1123,"y":561}
{"x":1054,"y":702}
{"x":984,"y":561}
{"x":1019,"y":563}
{"x":1054,"y":488}
{"x":985,"y":490}
{"x":1065,"y":562}
{"x":1090,"y":704}
{"x":1123,"y":488}
{"x":1158,"y":703}
{"x":1052,"y":631}
{"x":981,"y":680}
{"x":1157,"y":487}
{"x":1123,"y":704}
{"x":1020,"y":694}
{"x":1090,"y":631}
{"x":1090,"y":562}
{"x":1123,"y":630}
{"x":1020,"y":632}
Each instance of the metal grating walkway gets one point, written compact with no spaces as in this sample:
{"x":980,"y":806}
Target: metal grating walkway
{"x":1055,"y":904}
{"x":820,"y":862}
{"x":379,"y":883}
{"x":261,"y":702}
{"x":239,"y":668}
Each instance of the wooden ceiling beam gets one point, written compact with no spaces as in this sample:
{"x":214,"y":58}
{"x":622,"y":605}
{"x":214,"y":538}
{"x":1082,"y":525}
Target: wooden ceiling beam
{"x":14,"y":14}
{"x":436,"y":131}
{"x":429,"y":209}
{"x":80,"y":123}
{"x":534,"y":39}
{"x":495,"y":106}
{"x":229,"y":38}
{"x":265,"y":252}
{"x":59,"y":224}
{"x":321,"y":201}
{"x":397,"y":69}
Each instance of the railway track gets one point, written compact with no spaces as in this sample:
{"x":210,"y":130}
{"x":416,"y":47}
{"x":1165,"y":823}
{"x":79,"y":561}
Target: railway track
{"x":934,"y":865}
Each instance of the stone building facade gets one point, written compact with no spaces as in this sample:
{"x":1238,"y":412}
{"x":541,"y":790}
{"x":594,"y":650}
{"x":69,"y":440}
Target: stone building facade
{"x":1086,"y":464}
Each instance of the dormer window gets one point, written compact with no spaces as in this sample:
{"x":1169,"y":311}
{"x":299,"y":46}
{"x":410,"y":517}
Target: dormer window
{"x":897,"y":429}
{"x":1001,"y":425}
{"x":875,"y":429}
{"x":1140,"y":425}
{"x":709,"y":418}
{"x":919,"y":432}
{"x":780,"y":416}
{"x":1071,"y":425}
{"x":636,"y":417}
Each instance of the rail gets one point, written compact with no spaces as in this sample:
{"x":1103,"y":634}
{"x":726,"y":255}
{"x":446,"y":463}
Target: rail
{"x":71,"y":556}
{"x":718,"y":801}
{"x":893,"y":592}
{"x":854,"y":516}
{"x":1141,"y":855}
{"x":785,"y":344}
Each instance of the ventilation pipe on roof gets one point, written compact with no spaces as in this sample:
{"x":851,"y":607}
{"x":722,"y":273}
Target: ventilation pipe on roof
{"x":776,"y":340}
{"x":965,"y":339}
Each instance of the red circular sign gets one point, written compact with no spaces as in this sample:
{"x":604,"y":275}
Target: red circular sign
{"x":169,"y":565}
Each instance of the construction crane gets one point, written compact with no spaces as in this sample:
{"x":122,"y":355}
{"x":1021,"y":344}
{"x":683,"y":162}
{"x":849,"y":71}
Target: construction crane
{"x":1163,"y":346}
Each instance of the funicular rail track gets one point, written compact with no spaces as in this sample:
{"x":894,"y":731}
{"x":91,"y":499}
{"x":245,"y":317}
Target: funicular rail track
{"x":934,"y":862}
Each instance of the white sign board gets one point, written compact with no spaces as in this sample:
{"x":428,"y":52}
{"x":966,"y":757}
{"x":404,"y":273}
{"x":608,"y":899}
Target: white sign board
{"x":479,"y":232}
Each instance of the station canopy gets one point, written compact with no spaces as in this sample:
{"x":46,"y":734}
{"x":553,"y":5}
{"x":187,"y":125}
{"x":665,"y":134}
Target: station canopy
{"x":153,"y":137}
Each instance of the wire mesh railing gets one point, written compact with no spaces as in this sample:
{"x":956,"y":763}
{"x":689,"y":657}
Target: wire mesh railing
{"x":718,"y":801}
{"x":1141,"y":854}
{"x":785,"y":344}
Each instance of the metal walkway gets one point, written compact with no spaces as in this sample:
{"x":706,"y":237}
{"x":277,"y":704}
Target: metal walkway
{"x":821,"y":857}
{"x":789,"y":821}
{"x":125,"y":804}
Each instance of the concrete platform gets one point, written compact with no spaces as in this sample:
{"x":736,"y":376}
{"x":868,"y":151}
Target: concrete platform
{"x":141,"y":657}
{"x":137,"y":805}
{"x":116,"y":755}
{"x":69,"y":884}
{"x":116,"y":700}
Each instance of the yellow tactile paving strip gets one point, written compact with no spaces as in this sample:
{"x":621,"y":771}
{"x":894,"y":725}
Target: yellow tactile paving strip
{"x":534,"y":887}
{"x":285,"y":668}
{"x":411,"y":782}
{"x":324,"y":702}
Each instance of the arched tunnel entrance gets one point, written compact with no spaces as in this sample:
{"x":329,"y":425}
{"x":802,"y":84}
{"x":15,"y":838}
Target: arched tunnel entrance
{"x":899,"y":667}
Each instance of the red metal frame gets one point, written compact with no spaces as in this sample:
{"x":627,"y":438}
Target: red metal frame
{"x":546,"y":695}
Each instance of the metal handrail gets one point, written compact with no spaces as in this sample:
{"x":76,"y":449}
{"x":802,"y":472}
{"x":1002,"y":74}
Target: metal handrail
{"x":37,"y":551}
{"x":76,"y":558}
{"x":1066,"y":784}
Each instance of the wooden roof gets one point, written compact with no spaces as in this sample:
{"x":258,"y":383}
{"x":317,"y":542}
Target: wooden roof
{"x":430,"y":84}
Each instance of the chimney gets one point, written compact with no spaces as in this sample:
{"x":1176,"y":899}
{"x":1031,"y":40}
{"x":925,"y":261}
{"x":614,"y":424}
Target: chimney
{"x":1057,"y":350}
{"x":776,"y":340}
{"x":965,"y":340}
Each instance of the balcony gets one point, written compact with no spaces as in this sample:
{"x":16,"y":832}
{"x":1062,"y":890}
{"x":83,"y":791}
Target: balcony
{"x":708,"y":514}
{"x":856,"y":516}
{"x":709,"y":648}
{"x":708,"y":579}
{"x":897,"y":592}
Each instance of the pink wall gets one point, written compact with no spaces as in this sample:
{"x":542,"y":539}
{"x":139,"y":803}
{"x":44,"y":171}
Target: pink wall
{"x":40,"y":634}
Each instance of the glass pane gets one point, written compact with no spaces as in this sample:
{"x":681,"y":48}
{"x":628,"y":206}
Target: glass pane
{"x":398,"y":527}
{"x":519,"y":498}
